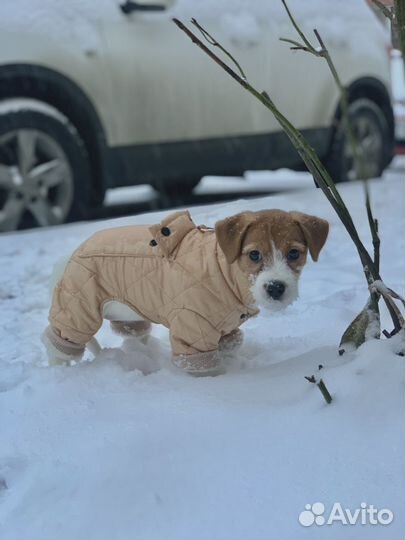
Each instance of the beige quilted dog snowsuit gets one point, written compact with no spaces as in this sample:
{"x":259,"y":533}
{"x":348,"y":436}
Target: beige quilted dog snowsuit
{"x":173,"y":273}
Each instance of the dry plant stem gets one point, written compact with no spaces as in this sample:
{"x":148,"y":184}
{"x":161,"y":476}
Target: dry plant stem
{"x":396,"y":296}
{"x":388,"y":294}
{"x":215,"y":43}
{"x":394,"y":307}
{"x":297,"y":28}
{"x":325,"y":392}
{"x":322,"y":387}
{"x":397,"y":17}
{"x":309,"y":157}
{"x":358,"y":158}
{"x":384,"y":9}
{"x":400,"y":21}
{"x":324,"y":53}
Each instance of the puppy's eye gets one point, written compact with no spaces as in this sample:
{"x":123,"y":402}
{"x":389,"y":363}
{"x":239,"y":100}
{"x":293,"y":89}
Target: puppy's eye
{"x":293,"y":255}
{"x":255,"y":256}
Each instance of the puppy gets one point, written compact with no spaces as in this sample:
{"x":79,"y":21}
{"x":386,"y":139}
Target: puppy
{"x":199,"y":282}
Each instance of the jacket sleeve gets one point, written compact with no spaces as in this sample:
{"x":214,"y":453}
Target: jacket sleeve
{"x":190,"y":333}
{"x":76,"y":310}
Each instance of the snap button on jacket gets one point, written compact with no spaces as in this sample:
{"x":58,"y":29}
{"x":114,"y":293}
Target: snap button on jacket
{"x":172,"y":273}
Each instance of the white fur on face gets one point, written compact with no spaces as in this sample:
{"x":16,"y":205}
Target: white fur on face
{"x":276,"y":270}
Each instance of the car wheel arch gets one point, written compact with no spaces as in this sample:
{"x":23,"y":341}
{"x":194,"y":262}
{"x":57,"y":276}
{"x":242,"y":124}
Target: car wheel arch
{"x":364,"y":94}
{"x":374,"y":90}
{"x":55,"y":89}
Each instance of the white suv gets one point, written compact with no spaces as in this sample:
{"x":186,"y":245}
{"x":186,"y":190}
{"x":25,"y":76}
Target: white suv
{"x":94,"y":95}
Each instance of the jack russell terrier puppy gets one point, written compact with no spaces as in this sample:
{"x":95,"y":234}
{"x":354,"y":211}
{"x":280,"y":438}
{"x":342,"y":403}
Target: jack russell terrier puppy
{"x":200,"y":283}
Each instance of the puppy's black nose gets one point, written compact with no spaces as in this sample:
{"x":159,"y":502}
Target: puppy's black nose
{"x":275,"y":289}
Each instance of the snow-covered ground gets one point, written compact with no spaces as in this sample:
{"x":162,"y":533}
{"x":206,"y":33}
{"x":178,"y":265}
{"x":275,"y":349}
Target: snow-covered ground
{"x":126,"y":447}
{"x":251,"y":182}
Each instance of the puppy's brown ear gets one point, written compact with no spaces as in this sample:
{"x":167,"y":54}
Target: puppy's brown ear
{"x":231,"y":232}
{"x":315,"y":231}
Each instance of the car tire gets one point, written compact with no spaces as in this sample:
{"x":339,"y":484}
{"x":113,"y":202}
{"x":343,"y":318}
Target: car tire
{"x":373,"y":135}
{"x":44,"y":168}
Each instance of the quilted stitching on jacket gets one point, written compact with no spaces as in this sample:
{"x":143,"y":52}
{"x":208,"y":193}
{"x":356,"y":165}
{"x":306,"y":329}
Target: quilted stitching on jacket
{"x":172,"y":273}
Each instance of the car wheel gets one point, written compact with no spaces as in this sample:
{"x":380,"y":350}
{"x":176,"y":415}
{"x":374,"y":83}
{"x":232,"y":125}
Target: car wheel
{"x":372,"y":134}
{"x":44,"y":171}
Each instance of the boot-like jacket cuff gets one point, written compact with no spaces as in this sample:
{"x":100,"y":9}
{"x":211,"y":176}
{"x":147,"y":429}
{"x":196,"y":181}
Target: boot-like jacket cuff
{"x":63,"y":345}
{"x":232,"y":341}
{"x":204,"y":363}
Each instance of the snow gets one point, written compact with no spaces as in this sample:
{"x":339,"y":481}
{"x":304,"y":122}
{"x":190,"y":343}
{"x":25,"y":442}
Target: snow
{"x":129,"y":447}
{"x":251,"y":182}
{"x":72,"y":19}
{"x":343,"y":23}
{"x":14,"y":105}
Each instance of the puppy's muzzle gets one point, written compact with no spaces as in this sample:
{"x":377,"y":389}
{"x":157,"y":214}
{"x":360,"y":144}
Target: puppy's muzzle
{"x":275,"y":289}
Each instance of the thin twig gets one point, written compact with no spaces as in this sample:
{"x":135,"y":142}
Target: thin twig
{"x":241,"y":80}
{"x":310,"y":158}
{"x":325,"y":392}
{"x":384,"y":9}
{"x":396,"y":15}
{"x":389,"y":294}
{"x":373,"y":225}
{"x":215,"y":43}
{"x":358,"y":157}
{"x":304,"y":149}
{"x":295,"y":45}
{"x":298,"y":29}
{"x":322,"y":387}
{"x":399,"y":24}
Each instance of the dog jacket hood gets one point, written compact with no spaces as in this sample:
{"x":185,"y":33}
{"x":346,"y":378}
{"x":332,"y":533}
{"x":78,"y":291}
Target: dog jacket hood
{"x":173,"y":273}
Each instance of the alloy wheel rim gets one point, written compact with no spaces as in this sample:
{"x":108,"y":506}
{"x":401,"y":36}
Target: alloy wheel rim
{"x":35,"y":179}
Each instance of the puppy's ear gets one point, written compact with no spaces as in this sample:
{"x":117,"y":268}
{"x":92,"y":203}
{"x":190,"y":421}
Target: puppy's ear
{"x":315,"y":231}
{"x":231,"y":232}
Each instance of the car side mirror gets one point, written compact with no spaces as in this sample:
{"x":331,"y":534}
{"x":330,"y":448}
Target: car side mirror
{"x":129,"y":6}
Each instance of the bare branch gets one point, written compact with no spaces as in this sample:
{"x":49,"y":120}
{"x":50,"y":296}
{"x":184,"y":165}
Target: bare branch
{"x":384,"y":9}
{"x":310,"y":158}
{"x":297,"y":28}
{"x":215,"y":43}
{"x":295,"y":45}
{"x":325,"y":392}
{"x":358,"y":157}
{"x":240,"y":79}
{"x":322,"y":387}
{"x":399,"y":24}
{"x":388,"y":294}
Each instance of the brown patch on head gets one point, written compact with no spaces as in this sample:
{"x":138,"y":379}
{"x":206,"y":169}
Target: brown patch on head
{"x":315,"y":231}
{"x":231,"y":233}
{"x":290,"y":233}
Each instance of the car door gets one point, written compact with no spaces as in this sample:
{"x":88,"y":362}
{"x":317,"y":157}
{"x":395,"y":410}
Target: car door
{"x":303,"y":87}
{"x":165,"y":89}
